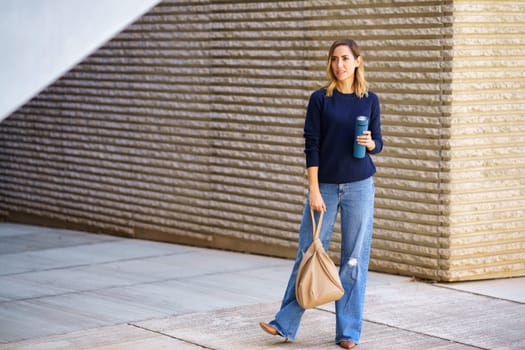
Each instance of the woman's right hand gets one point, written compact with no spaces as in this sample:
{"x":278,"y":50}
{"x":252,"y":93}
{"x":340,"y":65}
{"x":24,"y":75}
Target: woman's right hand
{"x":317,"y":202}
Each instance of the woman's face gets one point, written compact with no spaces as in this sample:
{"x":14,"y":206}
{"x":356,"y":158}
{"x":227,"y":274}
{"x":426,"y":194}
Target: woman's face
{"x":344,"y":63}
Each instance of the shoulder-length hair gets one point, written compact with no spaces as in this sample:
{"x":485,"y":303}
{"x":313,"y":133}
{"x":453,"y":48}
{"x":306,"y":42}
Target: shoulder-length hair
{"x":360,"y":85}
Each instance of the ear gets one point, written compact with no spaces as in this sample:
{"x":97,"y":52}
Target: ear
{"x":358,"y":61}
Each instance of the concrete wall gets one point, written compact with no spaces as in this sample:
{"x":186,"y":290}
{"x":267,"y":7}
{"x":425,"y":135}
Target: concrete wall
{"x":187,"y":127}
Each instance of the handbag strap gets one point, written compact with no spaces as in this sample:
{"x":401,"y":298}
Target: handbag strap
{"x":316,"y":228}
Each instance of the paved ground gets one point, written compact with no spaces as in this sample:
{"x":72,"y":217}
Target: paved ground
{"x":63,"y":289}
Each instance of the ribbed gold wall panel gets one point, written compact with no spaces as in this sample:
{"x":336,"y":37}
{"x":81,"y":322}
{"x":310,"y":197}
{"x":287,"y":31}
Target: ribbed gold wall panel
{"x":487,"y":158}
{"x":187,"y":127}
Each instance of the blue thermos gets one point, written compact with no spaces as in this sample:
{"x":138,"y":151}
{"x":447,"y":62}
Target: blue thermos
{"x":361,"y":125}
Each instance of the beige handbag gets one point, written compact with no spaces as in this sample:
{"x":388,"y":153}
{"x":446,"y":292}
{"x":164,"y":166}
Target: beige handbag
{"x":317,"y":279}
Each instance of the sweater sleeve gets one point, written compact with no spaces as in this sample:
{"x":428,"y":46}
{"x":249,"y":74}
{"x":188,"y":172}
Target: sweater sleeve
{"x":312,"y":129}
{"x":375,"y":126}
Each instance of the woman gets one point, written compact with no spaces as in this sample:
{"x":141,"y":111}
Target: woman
{"x":338,"y":182}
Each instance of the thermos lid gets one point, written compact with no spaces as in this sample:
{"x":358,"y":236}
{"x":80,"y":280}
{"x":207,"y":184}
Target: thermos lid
{"x":362,"y":119}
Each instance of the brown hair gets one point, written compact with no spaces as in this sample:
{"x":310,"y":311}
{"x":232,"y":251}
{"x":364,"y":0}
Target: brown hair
{"x":360,"y":85}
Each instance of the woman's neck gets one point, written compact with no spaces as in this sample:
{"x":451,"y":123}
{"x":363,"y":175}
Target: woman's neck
{"x":346,"y":87}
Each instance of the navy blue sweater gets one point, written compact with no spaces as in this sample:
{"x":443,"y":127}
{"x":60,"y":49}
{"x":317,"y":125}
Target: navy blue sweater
{"x":329,"y":135}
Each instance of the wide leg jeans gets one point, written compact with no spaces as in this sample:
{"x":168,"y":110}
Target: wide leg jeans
{"x":355,"y":201}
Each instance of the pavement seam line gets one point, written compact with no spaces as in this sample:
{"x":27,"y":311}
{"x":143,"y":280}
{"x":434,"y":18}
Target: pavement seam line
{"x":425,"y":334}
{"x":413,"y":331}
{"x":9,"y":274}
{"x":102,"y":263}
{"x":94,"y":290}
{"x":170,"y":336}
{"x":478,"y":294}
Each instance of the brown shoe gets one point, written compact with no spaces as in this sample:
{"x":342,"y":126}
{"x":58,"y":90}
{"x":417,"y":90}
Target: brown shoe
{"x":271,"y":330}
{"x":346,"y":344}
{"x":268,"y":329}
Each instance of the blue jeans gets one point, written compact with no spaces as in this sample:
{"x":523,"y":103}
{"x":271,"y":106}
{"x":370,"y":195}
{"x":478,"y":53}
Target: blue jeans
{"x":355,"y":200}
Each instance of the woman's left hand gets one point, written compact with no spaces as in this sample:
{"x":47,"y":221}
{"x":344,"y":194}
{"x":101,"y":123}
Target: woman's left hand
{"x":366,"y":140}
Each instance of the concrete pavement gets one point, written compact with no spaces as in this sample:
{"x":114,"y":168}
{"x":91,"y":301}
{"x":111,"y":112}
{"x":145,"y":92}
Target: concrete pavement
{"x":62,"y":289}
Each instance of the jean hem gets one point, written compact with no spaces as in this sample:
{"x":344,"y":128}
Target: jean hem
{"x":279,"y":331}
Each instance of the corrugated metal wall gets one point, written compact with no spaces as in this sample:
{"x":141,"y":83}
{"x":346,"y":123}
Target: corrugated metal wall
{"x":187,"y":127}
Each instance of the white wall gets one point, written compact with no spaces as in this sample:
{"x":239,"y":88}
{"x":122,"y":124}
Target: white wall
{"x":42,"y":39}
